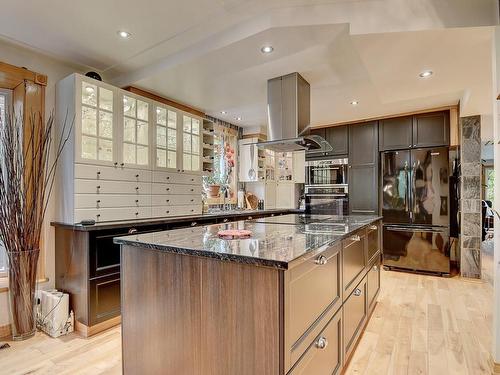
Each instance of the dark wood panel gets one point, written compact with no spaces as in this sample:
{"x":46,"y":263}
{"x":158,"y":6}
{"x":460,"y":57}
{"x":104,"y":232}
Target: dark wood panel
{"x":104,"y":298}
{"x":71,"y":266}
{"x":431,"y":129}
{"x":240,"y":305}
{"x":161,"y":313}
{"x":198,"y":316}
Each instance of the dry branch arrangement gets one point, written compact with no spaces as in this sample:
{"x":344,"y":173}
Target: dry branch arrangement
{"x":27,"y":173}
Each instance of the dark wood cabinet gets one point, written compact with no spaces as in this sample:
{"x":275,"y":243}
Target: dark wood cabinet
{"x":104,"y":298}
{"x":395,"y":133}
{"x":363,"y":168}
{"x":424,"y":130}
{"x":338,"y":137}
{"x":355,"y":314}
{"x":431,"y":129}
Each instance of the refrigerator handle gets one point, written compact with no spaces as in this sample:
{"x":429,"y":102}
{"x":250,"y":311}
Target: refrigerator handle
{"x":407,"y":203}
{"x":413,"y":187}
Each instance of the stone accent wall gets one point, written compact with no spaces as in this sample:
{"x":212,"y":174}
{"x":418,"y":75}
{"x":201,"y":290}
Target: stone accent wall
{"x":470,"y":157}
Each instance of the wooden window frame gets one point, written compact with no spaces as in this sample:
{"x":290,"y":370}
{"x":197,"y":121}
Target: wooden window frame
{"x":28,"y":97}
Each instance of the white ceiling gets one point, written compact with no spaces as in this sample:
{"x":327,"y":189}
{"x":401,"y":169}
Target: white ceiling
{"x":206,"y":52}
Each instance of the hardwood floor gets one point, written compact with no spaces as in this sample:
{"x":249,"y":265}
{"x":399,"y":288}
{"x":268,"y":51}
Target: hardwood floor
{"x":421,"y":325}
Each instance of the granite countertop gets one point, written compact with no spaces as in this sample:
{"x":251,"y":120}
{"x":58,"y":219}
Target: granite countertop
{"x":172,"y":219}
{"x":275,"y":242}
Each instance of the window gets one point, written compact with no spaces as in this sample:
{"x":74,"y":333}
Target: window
{"x":5,"y":103}
{"x":190,"y":144}
{"x":135,"y":131}
{"x":166,"y":138}
{"x":97,"y":122}
{"x":489,"y":182}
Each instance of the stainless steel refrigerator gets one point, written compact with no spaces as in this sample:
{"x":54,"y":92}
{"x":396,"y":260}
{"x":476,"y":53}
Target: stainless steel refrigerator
{"x":415,"y":207}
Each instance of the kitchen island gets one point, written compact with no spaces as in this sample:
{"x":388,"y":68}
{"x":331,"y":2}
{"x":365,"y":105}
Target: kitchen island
{"x":291,"y":299}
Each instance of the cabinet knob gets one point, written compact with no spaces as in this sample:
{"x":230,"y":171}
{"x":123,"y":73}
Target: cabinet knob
{"x":98,"y":215}
{"x":182,"y":170}
{"x":98,"y":173}
{"x":98,"y":201}
{"x":192,"y":210}
{"x":168,"y":189}
{"x":132,"y":231}
{"x":373,"y":227}
{"x":192,"y":189}
{"x":168,"y":177}
{"x":168,"y":200}
{"x":98,"y":186}
{"x":355,"y":238}
{"x":321,"y":260}
{"x":137,"y":188}
{"x":137,"y":201}
{"x":178,"y":170}
{"x":357,"y":292}
{"x":168,"y":211}
{"x":115,"y":163}
{"x":194,"y":223}
{"x":250,"y":218}
{"x":137,"y":176}
{"x":122,"y":164}
{"x":225,"y":220}
{"x":137,"y":213}
{"x":375,"y":268}
{"x":192,"y":200}
{"x":321,"y":343}
{"x":192,"y":180}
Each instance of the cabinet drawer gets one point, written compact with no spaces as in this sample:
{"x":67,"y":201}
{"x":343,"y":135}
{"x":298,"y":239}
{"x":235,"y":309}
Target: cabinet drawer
{"x":162,"y":211}
{"x":176,"y":178}
{"x":112,"y":214}
{"x":111,"y":187}
{"x":95,"y":172}
{"x":159,"y":189}
{"x":324,"y":355}
{"x":354,"y":261}
{"x":104,"y":298}
{"x":311,"y":288}
{"x":373,"y":280}
{"x":176,"y":199}
{"x":373,"y":240}
{"x":111,"y":201}
{"x":354,"y":315}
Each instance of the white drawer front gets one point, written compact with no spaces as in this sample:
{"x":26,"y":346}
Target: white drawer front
{"x":95,"y":172}
{"x":176,"y":178}
{"x":159,"y":189}
{"x":110,"y":201}
{"x":112,"y":214}
{"x":111,"y":187}
{"x":161,"y":211}
{"x":176,"y":200}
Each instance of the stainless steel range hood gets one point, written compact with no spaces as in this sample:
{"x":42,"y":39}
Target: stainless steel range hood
{"x":288,"y":111}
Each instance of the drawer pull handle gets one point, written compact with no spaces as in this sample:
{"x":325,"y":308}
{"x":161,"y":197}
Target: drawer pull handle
{"x":192,"y":189}
{"x":178,"y":170}
{"x":115,"y":163}
{"x":168,"y":200}
{"x":168,"y":189}
{"x":355,"y":238}
{"x":168,"y":178}
{"x":373,"y":227}
{"x":225,"y":220}
{"x":137,"y":201}
{"x":192,"y":180}
{"x":182,"y":170}
{"x":194,"y":223}
{"x":137,"y":213}
{"x":122,"y":164}
{"x":321,"y":260}
{"x":98,"y":173}
{"x":98,"y":201}
{"x":168,"y":212}
{"x":357,"y":292}
{"x":192,"y":200}
{"x":375,"y":268}
{"x":321,"y":343}
{"x":132,"y":231}
{"x":98,"y":215}
{"x":250,"y":218}
{"x":137,"y":188}
{"x":137,"y":176}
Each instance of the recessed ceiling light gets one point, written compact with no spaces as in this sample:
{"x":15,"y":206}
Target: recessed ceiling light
{"x":238,"y":118}
{"x":124,"y":34}
{"x":223,"y":112}
{"x":267,"y":49}
{"x":425,"y":74}
{"x":354,"y":102}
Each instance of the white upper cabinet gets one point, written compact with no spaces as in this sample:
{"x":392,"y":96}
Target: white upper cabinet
{"x":136,"y":145}
{"x":191,"y":145}
{"x":167,"y":149}
{"x":95,"y":122}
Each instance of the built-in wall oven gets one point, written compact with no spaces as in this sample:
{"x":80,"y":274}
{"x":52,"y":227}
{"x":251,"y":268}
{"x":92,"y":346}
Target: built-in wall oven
{"x":326,"y":190}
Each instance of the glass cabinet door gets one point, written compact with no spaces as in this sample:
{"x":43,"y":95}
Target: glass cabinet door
{"x":96,"y":130}
{"x":166,"y":138}
{"x":191,"y":130}
{"x":135,"y":146}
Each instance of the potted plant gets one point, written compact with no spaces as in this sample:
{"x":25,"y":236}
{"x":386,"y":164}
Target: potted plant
{"x":212,"y":185}
{"x":27,"y":170}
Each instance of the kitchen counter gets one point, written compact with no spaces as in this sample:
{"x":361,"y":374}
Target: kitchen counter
{"x":275,"y":241}
{"x":293,"y":299}
{"x":230,"y":214}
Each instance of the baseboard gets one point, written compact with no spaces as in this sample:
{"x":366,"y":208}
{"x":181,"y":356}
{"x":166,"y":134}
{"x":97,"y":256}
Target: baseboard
{"x":86,"y":331}
{"x":5,"y":331}
{"x":495,"y":367}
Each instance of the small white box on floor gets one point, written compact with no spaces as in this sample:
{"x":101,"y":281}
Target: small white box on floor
{"x":54,"y":317}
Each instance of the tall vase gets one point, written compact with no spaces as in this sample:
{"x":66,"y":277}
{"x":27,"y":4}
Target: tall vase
{"x":22,"y":284}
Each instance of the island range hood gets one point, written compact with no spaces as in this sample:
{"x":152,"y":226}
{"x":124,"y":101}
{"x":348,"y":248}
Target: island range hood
{"x":288,"y":112}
